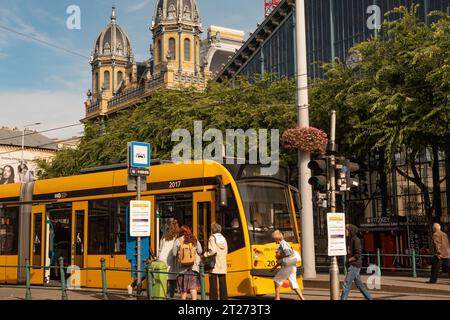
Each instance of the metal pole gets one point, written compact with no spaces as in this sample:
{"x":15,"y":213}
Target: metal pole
{"x":334,"y":268}
{"x":23,"y":143}
{"x":202,"y":281}
{"x":138,"y":244}
{"x":104,"y":285}
{"x":414,"y":267}
{"x":309,"y":262}
{"x":28,"y":282}
{"x":149,"y":282}
{"x":63,"y":279}
{"x":379,"y":261}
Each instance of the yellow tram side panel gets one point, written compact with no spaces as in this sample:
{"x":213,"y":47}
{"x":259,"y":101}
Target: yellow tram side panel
{"x":9,"y":275}
{"x":81,"y":182}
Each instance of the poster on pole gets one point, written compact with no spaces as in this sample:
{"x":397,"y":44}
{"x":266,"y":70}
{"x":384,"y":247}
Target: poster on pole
{"x":140,"y":216}
{"x":336,"y":234}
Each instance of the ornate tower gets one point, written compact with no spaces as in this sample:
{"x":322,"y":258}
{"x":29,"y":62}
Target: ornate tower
{"x":176,"y":31}
{"x":113,"y":65}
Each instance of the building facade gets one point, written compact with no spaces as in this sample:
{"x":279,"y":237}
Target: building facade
{"x":178,"y":58}
{"x":17,"y":163}
{"x":388,"y":207}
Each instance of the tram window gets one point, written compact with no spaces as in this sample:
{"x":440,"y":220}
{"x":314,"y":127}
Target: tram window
{"x":267,"y":209}
{"x":231,"y":223}
{"x":99,"y":227}
{"x":179,"y":209}
{"x":120,"y":232}
{"x":204,"y":222}
{"x":9,"y":228}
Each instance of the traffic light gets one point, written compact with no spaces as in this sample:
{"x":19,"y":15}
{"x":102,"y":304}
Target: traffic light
{"x":319,"y":174}
{"x":344,"y":169}
{"x":351,"y":167}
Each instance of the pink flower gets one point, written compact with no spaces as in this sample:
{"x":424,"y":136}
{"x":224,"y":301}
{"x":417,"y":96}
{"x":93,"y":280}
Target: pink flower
{"x":307,"y":139}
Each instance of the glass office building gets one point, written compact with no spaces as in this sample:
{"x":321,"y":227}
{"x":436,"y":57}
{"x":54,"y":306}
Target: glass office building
{"x":388,"y":207}
{"x":333,"y":27}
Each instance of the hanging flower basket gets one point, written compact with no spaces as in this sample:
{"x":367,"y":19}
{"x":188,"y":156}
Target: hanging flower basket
{"x":310,"y":139}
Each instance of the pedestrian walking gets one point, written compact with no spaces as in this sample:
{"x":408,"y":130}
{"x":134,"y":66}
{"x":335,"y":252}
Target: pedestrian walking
{"x":441,"y":253}
{"x":165,"y":253}
{"x":354,"y":262}
{"x":217,"y":248}
{"x":187,"y":250}
{"x":287,"y":259}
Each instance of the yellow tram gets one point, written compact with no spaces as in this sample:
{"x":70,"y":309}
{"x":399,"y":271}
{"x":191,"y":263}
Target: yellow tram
{"x":90,"y":209}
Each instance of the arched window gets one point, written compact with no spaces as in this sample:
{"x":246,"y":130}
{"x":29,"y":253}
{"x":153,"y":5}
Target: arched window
{"x":187,"y":50}
{"x":106,"y":80}
{"x":119,"y":76}
{"x":172,"y":52}
{"x":158,"y":51}
{"x":96,"y":82}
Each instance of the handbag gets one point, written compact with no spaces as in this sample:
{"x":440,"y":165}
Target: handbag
{"x":209,"y":262}
{"x":292,"y":260}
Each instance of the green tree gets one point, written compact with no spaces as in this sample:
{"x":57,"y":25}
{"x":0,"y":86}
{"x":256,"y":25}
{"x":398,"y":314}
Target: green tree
{"x":244,"y":104}
{"x":396,"y":99}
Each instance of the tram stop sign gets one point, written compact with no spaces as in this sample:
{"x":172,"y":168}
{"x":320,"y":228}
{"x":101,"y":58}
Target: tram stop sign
{"x":138,"y":159}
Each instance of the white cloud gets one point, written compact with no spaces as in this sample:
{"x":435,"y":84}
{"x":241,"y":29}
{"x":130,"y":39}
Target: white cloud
{"x":46,"y":17}
{"x":10,"y":20}
{"x":3,"y":55}
{"x":52,"y":109}
{"x":138,"y":6}
{"x":28,"y":33}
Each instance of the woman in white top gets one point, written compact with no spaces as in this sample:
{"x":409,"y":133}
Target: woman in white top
{"x":165,"y":253}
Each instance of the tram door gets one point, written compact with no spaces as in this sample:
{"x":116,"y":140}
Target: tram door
{"x":204,"y":215}
{"x":78,"y":254}
{"x":37,"y":246}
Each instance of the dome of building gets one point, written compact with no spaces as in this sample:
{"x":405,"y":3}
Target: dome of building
{"x":113,"y":41}
{"x":185,"y":11}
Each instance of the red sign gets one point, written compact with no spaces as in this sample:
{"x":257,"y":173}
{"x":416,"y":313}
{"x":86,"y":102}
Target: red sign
{"x":269,"y":5}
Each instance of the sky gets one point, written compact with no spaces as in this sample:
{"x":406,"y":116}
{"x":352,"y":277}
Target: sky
{"x":47,"y":85}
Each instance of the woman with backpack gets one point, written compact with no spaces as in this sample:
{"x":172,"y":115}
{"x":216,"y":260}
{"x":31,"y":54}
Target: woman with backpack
{"x":171,"y":231}
{"x":187,"y":251}
{"x":217,"y":248}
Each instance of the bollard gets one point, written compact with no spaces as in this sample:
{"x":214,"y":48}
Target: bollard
{"x":202,"y":281}
{"x":149,"y":282}
{"x":104,"y":288}
{"x":63,"y":279}
{"x":414,"y":267}
{"x":379,"y":260}
{"x":28,"y":282}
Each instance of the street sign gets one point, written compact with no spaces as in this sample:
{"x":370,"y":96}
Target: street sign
{"x":132,"y":184}
{"x":139,"y":172}
{"x":336,"y":234}
{"x":140,"y":217}
{"x":131,"y":243}
{"x":139,"y":155}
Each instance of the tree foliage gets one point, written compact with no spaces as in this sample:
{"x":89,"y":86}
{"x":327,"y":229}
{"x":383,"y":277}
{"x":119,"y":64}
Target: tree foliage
{"x":243,"y":104}
{"x":396,"y":99}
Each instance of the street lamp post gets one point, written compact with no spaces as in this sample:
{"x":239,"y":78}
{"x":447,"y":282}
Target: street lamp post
{"x":23,"y":137}
{"x":304,"y":174}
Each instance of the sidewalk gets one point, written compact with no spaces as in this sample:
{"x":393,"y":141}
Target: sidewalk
{"x":391,"y":284}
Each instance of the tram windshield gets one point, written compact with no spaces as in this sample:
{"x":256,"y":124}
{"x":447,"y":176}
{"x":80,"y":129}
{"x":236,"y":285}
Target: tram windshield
{"x":267,"y":209}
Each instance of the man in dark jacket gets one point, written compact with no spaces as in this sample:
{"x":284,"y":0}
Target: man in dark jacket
{"x":355,"y":263}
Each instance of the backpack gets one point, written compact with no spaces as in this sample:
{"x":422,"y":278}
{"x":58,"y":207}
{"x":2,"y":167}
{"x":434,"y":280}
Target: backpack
{"x":186,"y":254}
